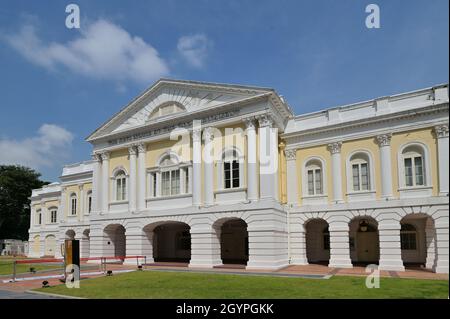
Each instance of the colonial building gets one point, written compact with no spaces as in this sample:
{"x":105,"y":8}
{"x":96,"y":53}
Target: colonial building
{"x":210,"y":174}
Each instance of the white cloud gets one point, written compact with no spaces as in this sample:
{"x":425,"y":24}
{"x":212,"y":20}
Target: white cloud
{"x":103,"y":51}
{"x":49,"y":147}
{"x":194,"y":48}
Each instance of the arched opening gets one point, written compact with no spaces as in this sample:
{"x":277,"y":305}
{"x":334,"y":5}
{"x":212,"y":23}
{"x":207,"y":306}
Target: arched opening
{"x":70,"y":234}
{"x":234,"y":248}
{"x":317,"y":241}
{"x":85,"y":244}
{"x":364,"y":241}
{"x":50,"y":246}
{"x":170,"y":241}
{"x":418,"y":241}
{"x":115,"y":241}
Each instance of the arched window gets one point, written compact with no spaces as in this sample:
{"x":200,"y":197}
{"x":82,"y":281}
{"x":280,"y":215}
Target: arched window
{"x":166,"y":109}
{"x":408,"y":237}
{"x":360,"y":170}
{"x":73,"y":204}
{"x":53,"y":215}
{"x":89,"y":201}
{"x":414,"y":166}
{"x":231,"y":170}
{"x":39,"y":217}
{"x":314,"y":177}
{"x":121,"y":185}
{"x":170,"y":176}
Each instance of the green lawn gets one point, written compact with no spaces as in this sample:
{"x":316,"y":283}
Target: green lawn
{"x":152,"y":284}
{"x":6,"y":266}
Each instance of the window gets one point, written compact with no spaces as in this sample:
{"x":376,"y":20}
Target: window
{"x":360,"y":177}
{"x":360,"y":172}
{"x":39,"y":217}
{"x":166,"y":108}
{"x":73,"y":204}
{"x":53,"y":215}
{"x":414,"y":163}
{"x":121,"y":186}
{"x":231,"y":174}
{"x":170,"y":182}
{"x":153,"y":179}
{"x":230,"y":170}
{"x":186,"y":181}
{"x":408,"y":237}
{"x":314,"y":178}
{"x":413,"y":170}
{"x":89,"y":204}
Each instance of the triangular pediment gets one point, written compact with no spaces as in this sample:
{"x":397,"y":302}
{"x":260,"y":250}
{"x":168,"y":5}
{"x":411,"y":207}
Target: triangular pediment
{"x":168,"y":99}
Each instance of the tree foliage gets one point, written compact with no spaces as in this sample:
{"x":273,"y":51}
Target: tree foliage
{"x":16,"y":184}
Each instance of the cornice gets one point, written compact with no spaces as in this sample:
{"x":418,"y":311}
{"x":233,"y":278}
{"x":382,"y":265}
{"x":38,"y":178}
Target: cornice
{"x":392,"y":117}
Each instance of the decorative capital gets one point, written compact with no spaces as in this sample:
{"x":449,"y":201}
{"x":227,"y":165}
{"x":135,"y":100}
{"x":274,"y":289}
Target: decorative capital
{"x":250,"y":123}
{"x":96,"y":157}
{"x":441,"y":130}
{"x":384,"y":139}
{"x":141,"y":148}
{"x":265,"y":121}
{"x":80,"y":187}
{"x":335,"y":147}
{"x":132,"y":150}
{"x":209,"y":134}
{"x":105,"y":156}
{"x":290,"y":154}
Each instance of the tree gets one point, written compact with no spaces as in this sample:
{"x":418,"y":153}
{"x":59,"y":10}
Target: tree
{"x":16,"y":184}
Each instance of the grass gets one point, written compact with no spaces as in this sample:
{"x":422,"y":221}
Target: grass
{"x":6,"y":266}
{"x":166,"y":285}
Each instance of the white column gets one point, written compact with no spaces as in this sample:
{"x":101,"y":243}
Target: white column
{"x":252,"y":167}
{"x":298,"y":244}
{"x":81,"y":203}
{"x":189,"y":172}
{"x":390,"y":248}
{"x":292,"y":177}
{"x":268,"y":158}
{"x":196,"y":167}
{"x":339,"y":245}
{"x":205,"y":243}
{"x":442,"y":241}
{"x":336,"y":170}
{"x":135,"y":241}
{"x":96,"y":190}
{"x":105,"y":182}
{"x":208,"y":163}
{"x":384,"y":141}
{"x":183,"y":180}
{"x":132,"y":185}
{"x":141,"y":177}
{"x":443,"y":157}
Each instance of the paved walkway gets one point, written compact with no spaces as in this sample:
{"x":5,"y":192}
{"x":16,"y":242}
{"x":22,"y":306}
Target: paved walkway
{"x":7,"y":294}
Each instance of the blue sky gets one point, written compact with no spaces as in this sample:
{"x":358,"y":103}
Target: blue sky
{"x":57,"y":85}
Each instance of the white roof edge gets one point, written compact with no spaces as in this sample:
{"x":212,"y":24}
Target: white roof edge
{"x":369,"y":102}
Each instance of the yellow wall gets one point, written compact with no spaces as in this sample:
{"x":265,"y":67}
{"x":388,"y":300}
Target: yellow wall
{"x":119,"y":158}
{"x":426,"y":136}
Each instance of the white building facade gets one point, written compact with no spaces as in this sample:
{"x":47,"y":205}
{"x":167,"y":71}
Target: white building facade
{"x":211,"y":174}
